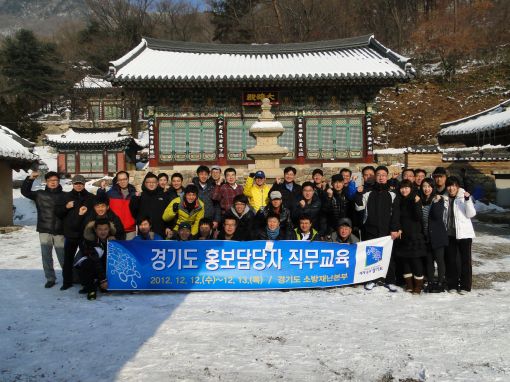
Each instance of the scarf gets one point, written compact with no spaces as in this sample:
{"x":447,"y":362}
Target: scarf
{"x":272,"y":234}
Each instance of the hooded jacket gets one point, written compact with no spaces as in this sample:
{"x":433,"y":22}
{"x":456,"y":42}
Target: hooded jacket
{"x":245,"y":221}
{"x":463,"y":211}
{"x":46,"y":202}
{"x":257,"y":195}
{"x":182,"y":214}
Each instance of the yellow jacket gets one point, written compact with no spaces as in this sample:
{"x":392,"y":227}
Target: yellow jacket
{"x":258,"y":196}
{"x":182,"y":214}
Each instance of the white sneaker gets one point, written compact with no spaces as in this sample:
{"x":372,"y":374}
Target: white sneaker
{"x":370,"y":285}
{"x":391,"y":287}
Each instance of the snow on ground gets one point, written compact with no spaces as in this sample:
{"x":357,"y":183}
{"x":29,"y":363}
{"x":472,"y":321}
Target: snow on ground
{"x":304,"y":335}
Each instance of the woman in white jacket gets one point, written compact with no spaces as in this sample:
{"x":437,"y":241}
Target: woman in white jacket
{"x":459,"y":209}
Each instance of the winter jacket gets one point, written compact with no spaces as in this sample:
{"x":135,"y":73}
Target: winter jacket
{"x":284,"y":215}
{"x":83,"y":221}
{"x":298,"y":235}
{"x":381,"y":211}
{"x":335,"y":238}
{"x":212,"y":208}
{"x":225,"y":195}
{"x":237,"y":236}
{"x":120,"y":205}
{"x":262,"y":235}
{"x":151,"y":236}
{"x":257,"y":195}
{"x":245,"y":222}
{"x":289,"y":198}
{"x":412,"y":241}
{"x":46,"y":202}
{"x":95,"y":250}
{"x":436,"y":230}
{"x":337,"y":207}
{"x":70,"y":215}
{"x":312,"y":209}
{"x":183,"y":215}
{"x":151,"y":203}
{"x":463,"y":211}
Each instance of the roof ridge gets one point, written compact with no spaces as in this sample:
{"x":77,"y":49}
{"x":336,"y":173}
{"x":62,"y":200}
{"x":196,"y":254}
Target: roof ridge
{"x":503,"y":104}
{"x":258,"y":49}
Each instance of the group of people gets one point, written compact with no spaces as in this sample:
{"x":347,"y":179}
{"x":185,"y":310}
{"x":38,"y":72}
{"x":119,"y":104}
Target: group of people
{"x":429,"y":219}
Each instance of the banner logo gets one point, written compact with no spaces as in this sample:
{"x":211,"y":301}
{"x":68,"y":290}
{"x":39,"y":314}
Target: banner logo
{"x":374,"y":255}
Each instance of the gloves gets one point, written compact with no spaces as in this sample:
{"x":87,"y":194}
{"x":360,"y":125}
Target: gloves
{"x":252,"y":175}
{"x":175,"y":207}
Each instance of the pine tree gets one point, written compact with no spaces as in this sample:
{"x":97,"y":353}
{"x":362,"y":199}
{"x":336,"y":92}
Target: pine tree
{"x":31,"y":69}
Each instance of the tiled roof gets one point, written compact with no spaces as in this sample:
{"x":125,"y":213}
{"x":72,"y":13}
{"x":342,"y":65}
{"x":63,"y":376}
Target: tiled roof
{"x":88,"y":137}
{"x":360,"y":58}
{"x":488,"y":120}
{"x":13,"y":147}
{"x":92,"y":82}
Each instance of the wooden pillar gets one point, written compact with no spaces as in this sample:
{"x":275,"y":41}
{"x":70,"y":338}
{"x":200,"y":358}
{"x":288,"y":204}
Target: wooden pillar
{"x":6,"y":192}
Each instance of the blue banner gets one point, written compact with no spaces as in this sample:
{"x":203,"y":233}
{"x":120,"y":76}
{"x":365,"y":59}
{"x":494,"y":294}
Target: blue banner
{"x":231,"y":265}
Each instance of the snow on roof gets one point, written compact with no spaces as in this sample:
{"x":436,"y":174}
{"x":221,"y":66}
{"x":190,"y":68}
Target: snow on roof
{"x":92,"y":82}
{"x":354,"y":58}
{"x":491,"y":119}
{"x":13,"y":147}
{"x":79,"y":136}
{"x":143,"y":139}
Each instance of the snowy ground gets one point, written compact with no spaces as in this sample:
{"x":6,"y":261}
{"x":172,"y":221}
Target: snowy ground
{"x":314,"y":335}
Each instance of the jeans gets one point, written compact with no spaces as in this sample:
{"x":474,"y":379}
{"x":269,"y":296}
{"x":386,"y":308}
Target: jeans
{"x":48,"y":242}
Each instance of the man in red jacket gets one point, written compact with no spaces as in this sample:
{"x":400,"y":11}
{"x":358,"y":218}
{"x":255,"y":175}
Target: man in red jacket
{"x":119,"y":197}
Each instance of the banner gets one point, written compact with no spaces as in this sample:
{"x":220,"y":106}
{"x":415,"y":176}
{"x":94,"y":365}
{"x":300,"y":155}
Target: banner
{"x":234,"y":265}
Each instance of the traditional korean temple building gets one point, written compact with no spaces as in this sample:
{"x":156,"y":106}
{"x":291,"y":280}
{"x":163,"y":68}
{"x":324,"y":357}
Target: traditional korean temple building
{"x":95,"y":99}
{"x":93,"y":152}
{"x":491,"y":126}
{"x":15,"y":154}
{"x":201,"y":99}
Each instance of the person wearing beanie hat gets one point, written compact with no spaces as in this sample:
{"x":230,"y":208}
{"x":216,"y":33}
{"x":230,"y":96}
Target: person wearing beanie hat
{"x":68,"y":210}
{"x":49,"y":225}
{"x":275,"y":207}
{"x":257,"y":190}
{"x":343,"y":233}
{"x":185,"y":208}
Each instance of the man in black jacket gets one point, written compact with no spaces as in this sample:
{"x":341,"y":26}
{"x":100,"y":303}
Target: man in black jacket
{"x":92,"y":265}
{"x":49,"y":225}
{"x":381,"y":217}
{"x":290,"y":190}
{"x":101,"y":210}
{"x":68,"y":210}
{"x":151,"y":203}
{"x":205,"y":186}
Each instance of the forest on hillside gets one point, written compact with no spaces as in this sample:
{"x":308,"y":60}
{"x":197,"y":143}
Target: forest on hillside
{"x":448,"y":35}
